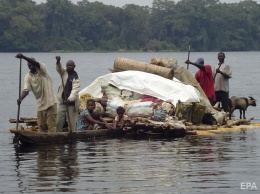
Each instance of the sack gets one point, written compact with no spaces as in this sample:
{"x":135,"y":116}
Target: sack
{"x":98,"y":108}
{"x":183,"y":111}
{"x":140,"y":109}
{"x":110,"y":91}
{"x":220,"y":117}
{"x":112,"y":105}
{"x":84,"y":97}
{"x":198,"y":111}
{"x":159,"y":115}
{"x":137,"y":96}
{"x":170,"y":109}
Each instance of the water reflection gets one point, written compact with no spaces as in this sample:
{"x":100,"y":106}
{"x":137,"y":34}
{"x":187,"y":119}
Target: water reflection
{"x":51,"y":167}
{"x":19,"y":175}
{"x":195,"y":163}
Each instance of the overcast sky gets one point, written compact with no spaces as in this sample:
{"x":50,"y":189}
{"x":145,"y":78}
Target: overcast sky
{"x":120,"y":3}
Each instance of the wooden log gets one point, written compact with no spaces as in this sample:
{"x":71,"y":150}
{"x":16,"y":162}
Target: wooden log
{"x":30,"y":118}
{"x":14,"y":121}
{"x":202,"y":127}
{"x":24,"y":120}
{"x":239,"y":121}
{"x":191,"y":133}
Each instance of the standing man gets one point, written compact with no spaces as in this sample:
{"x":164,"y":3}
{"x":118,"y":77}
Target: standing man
{"x":39,"y":82}
{"x":205,"y":78}
{"x":67,"y":95}
{"x":222,"y":73}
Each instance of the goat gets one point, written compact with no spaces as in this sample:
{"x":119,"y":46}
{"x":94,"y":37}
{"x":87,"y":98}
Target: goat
{"x":240,"y":103}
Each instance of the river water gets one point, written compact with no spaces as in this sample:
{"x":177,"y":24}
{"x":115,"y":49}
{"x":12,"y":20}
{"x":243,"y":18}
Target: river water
{"x":224,"y":163}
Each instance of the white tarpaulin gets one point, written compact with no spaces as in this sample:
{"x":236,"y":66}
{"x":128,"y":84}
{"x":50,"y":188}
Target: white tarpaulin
{"x":95,"y":87}
{"x":146,"y":83}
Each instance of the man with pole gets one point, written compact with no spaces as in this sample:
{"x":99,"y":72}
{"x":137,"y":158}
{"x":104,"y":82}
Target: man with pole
{"x":205,"y":78}
{"x":67,"y":95}
{"x":222,"y":73}
{"x":39,"y":82}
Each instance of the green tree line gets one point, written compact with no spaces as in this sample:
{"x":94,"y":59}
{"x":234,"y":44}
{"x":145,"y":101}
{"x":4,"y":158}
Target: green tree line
{"x":60,"y":25}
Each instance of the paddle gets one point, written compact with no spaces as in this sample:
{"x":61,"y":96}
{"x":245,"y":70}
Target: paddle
{"x":188,"y":55}
{"x":18,"y":111}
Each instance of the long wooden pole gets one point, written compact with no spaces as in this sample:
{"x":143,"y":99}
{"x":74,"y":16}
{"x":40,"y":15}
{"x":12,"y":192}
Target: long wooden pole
{"x":67,"y":108}
{"x":216,"y":71}
{"x":19,"y":96}
{"x":188,"y":55}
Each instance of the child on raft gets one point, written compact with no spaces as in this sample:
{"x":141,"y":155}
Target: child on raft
{"x":119,"y":120}
{"x":90,"y":119}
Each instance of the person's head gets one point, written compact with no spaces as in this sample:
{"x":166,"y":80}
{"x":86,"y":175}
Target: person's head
{"x":120,"y":111}
{"x":31,"y":66}
{"x":221,"y":57}
{"x":200,"y":61}
{"x":91,"y":105}
{"x":96,"y":115}
{"x":70,"y":66}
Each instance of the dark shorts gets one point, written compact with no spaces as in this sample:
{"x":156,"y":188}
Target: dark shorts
{"x":223,"y":97}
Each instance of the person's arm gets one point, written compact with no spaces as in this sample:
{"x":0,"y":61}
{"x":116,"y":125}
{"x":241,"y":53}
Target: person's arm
{"x":125,"y":117}
{"x":23,"y":95}
{"x":75,"y":90}
{"x":223,"y":73}
{"x":27,"y":88}
{"x":30,"y":60}
{"x":59,"y":67}
{"x":200,"y":66}
{"x":91,"y":120}
{"x":109,"y":127}
{"x":114,"y":123}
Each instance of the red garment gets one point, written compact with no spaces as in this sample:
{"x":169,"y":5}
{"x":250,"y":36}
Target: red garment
{"x":205,"y":79}
{"x":150,"y":98}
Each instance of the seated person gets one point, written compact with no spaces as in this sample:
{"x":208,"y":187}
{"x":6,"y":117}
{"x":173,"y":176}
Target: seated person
{"x":90,"y":119}
{"x":119,"y":121}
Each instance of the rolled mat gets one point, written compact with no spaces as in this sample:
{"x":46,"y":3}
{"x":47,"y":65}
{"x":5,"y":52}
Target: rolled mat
{"x":124,"y":64}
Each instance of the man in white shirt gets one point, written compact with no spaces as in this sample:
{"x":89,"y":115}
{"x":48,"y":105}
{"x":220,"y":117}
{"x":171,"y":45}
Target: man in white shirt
{"x":222,"y":73}
{"x":39,"y":82}
{"x":67,"y":95}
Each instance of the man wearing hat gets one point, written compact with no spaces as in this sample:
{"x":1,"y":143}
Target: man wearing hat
{"x":205,"y":78}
